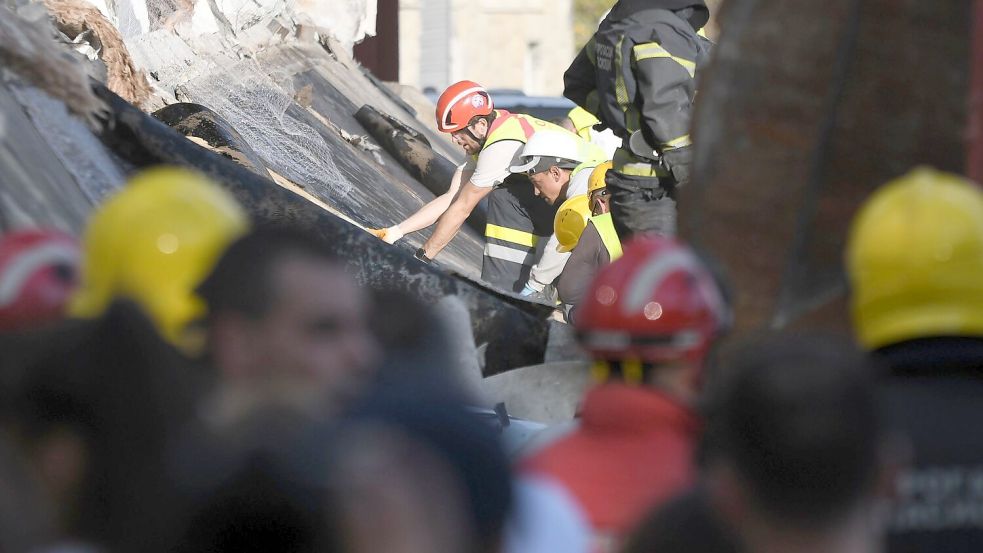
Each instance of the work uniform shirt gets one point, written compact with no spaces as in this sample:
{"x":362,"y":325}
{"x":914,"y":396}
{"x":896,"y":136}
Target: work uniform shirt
{"x":632,"y":451}
{"x":551,"y":264}
{"x":491,"y":166}
{"x":934,"y":394}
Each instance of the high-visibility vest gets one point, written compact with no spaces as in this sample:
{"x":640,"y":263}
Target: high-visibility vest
{"x":609,"y":236}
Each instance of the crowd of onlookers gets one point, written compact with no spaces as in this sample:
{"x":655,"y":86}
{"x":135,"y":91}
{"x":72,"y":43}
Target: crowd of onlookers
{"x":181,"y":381}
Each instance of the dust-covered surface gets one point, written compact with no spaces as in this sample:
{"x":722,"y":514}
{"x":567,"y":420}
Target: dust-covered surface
{"x":291,"y":97}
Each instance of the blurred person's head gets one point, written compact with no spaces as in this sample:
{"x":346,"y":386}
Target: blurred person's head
{"x":465,"y":110}
{"x":914,"y":259}
{"x":153,"y":243}
{"x":434,"y":468}
{"x":257,"y":484}
{"x":39,"y":270}
{"x":795,"y":453}
{"x":597,"y":190}
{"x":283,"y":309}
{"x":651,"y":317}
{"x":548,"y":159}
{"x":688,"y":523}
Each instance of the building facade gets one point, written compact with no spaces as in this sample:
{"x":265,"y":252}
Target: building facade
{"x":516,"y":44}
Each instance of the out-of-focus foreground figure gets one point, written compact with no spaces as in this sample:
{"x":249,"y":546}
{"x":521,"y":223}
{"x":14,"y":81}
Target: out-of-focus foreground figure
{"x":153,"y":243}
{"x":798,"y":458}
{"x":915,"y":260}
{"x":39,"y":270}
{"x":648,"y":320}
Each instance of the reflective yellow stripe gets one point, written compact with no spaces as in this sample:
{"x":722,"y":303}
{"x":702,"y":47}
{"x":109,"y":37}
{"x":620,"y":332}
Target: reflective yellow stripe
{"x":655,"y":50}
{"x":631,"y":371}
{"x":522,"y":238}
{"x":620,"y":89}
{"x":609,"y":236}
{"x":627,"y":163}
{"x":678,"y":142}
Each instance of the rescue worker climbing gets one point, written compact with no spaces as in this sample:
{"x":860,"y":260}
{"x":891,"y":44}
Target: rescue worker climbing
{"x":648,"y":322}
{"x":518,"y":222}
{"x":559,"y":166}
{"x":597,"y":245}
{"x":637,"y":75}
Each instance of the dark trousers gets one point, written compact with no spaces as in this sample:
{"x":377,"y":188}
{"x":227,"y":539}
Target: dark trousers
{"x":641,"y":204}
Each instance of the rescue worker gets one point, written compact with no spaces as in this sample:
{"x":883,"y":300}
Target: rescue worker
{"x":636,"y":74}
{"x":39,"y":270}
{"x":153,"y":243}
{"x":648,"y":323}
{"x":517,"y":221}
{"x":597,"y":246}
{"x":559,"y":166}
{"x":914,"y":260}
{"x":568,"y":226}
{"x":584,"y":124}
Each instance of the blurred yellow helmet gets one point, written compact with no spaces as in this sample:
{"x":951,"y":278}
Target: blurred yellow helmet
{"x":596,"y":181}
{"x":570,"y":221}
{"x":153,"y":243}
{"x":915,"y":260}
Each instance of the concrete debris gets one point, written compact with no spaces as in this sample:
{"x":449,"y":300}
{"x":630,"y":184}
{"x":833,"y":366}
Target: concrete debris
{"x":78,"y":18}
{"x":28,"y":50}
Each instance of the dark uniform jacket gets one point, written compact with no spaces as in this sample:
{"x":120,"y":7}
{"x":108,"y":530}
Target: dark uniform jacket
{"x":637,"y":72}
{"x":934,"y":394}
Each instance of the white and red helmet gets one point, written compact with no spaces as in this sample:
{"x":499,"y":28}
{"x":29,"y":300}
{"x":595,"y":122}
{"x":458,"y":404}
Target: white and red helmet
{"x":39,"y":270}
{"x":459,"y":103}
{"x":657,"y":303}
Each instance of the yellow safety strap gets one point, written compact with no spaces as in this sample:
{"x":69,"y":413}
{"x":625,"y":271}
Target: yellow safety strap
{"x":655,"y":50}
{"x":522,"y":238}
{"x":609,"y":236}
{"x":678,"y":142}
{"x":631,"y":371}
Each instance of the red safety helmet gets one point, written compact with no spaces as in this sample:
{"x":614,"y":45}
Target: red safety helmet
{"x":657,"y":303}
{"x":459,"y":103}
{"x":38,"y":273}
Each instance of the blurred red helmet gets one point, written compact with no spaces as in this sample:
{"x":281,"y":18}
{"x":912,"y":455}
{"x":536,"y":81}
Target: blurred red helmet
{"x":655,"y":304}
{"x":459,"y":103}
{"x":38,"y":273}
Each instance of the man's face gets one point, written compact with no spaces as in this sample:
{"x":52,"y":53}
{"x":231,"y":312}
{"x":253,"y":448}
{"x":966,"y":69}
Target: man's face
{"x":471,"y":138}
{"x":315,"y":331}
{"x":550,"y":184}
{"x":599,"y":201}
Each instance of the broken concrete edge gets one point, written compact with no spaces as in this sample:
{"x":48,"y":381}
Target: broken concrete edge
{"x":515,"y":330}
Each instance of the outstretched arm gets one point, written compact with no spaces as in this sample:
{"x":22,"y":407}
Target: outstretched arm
{"x":429,"y":213}
{"x":452,"y":219}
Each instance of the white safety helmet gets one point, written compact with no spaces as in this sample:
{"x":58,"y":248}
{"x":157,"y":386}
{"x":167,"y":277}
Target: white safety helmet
{"x":552,"y":147}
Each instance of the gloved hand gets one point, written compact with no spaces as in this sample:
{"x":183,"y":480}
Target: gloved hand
{"x":389,"y":235}
{"x":527,"y":291}
{"x":679,"y":161}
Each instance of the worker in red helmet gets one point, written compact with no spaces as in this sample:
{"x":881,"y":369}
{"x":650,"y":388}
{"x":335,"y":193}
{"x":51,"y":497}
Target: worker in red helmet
{"x":648,"y":321}
{"x":39,"y":270}
{"x":518,"y":221}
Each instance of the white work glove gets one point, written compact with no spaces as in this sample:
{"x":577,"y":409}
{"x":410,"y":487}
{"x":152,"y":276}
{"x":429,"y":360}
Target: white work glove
{"x":527,"y":291}
{"x":393,"y":234}
{"x":389,"y":235}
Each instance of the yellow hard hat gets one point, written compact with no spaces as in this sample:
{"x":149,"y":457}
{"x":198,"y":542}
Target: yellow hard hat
{"x":915,"y":260}
{"x":596,"y":181}
{"x":153,"y":243}
{"x":582,"y":120}
{"x":570,"y":221}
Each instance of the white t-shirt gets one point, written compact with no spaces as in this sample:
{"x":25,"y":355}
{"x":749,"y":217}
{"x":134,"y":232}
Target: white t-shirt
{"x":492,"y":165}
{"x":551,"y":264}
